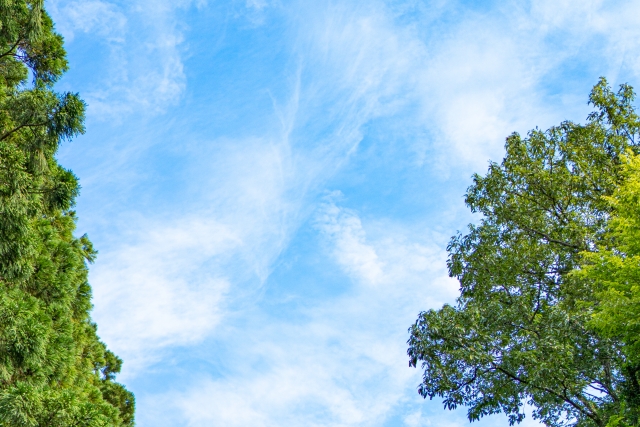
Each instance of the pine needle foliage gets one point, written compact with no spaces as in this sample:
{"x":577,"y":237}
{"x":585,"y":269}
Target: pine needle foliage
{"x":54,"y":370}
{"x":523,"y":329}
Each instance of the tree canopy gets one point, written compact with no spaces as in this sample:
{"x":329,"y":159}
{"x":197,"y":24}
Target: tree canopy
{"x":531,"y":324}
{"x":613,"y":271}
{"x":54,"y":370}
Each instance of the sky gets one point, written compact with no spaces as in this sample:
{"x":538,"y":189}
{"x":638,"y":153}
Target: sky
{"x":272,"y":184}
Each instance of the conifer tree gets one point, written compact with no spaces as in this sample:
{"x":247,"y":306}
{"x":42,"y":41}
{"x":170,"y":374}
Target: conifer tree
{"x":54,"y":370}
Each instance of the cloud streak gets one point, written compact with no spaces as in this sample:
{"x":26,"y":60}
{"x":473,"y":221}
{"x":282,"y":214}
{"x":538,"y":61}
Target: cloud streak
{"x":144,"y":67}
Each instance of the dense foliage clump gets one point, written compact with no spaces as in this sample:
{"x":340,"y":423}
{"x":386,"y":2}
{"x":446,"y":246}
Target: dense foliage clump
{"x":54,"y":371}
{"x":546,"y":315}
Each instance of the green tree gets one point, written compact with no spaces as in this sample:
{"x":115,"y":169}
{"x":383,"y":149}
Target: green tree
{"x":614,"y":273}
{"x":520,"y":331}
{"x":54,"y":370}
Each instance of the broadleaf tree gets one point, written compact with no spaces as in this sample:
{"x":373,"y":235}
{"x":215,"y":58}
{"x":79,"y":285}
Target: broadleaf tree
{"x":522,"y":330}
{"x":613,"y":271}
{"x":54,"y":370}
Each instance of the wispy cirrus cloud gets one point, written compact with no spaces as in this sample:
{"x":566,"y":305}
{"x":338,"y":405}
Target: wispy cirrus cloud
{"x":143,"y":72}
{"x":97,"y":17}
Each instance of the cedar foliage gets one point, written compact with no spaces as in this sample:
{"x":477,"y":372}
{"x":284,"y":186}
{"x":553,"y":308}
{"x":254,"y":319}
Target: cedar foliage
{"x":54,"y":370}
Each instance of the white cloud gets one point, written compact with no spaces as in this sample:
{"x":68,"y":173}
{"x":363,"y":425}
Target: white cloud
{"x":161,"y":290}
{"x":98,"y":17}
{"x":251,"y":185}
{"x":466,"y":82}
{"x":351,"y":250}
{"x":489,"y":74}
{"x":343,"y":366}
{"x":608,"y":30}
{"x":478,"y":88}
{"x":144,"y":72}
{"x":168,"y":278}
{"x":385,"y":255}
{"x":357,"y":66}
{"x":300,"y":378}
{"x":568,"y":13}
{"x":257,"y":4}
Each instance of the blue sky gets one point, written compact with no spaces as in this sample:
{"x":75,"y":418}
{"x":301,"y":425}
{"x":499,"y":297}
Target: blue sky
{"x":271,"y":184}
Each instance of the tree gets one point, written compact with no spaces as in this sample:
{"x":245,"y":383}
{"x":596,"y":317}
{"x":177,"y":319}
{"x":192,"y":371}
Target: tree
{"x":614,"y":273}
{"x":520,"y":331}
{"x":54,"y":370}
